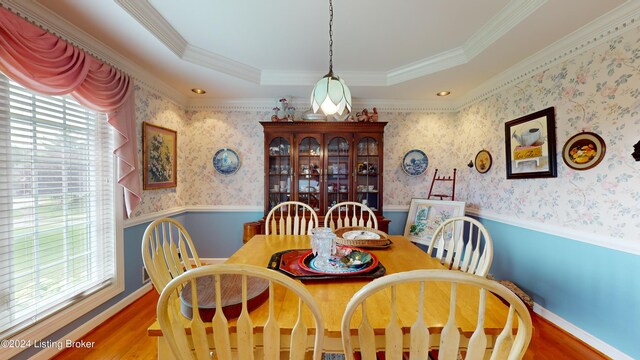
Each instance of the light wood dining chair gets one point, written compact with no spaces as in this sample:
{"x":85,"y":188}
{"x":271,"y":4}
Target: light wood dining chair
{"x":506,"y":346}
{"x":463,"y":243}
{"x":350,"y":213}
{"x":291,"y":218}
{"x":167,"y":251}
{"x":218,"y":346}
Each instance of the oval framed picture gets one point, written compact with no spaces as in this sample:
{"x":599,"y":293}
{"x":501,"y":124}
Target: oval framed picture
{"x":226,"y":161}
{"x":483,"y":161}
{"x":583,"y":151}
{"x":415,"y":162}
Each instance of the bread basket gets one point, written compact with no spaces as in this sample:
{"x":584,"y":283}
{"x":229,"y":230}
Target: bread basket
{"x":378,"y":240}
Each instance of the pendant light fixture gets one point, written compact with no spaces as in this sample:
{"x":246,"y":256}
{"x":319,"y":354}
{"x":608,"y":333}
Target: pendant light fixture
{"x":331,"y":95}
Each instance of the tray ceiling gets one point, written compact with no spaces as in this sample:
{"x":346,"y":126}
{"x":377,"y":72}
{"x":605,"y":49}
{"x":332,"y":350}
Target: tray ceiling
{"x":405,"y":50}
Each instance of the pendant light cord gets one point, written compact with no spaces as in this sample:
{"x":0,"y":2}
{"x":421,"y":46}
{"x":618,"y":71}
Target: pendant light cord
{"x":330,"y":37}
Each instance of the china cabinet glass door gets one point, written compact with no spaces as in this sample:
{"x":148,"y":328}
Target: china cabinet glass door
{"x":280,"y":171}
{"x":309,"y":171}
{"x":368,"y":176}
{"x":338,"y":184}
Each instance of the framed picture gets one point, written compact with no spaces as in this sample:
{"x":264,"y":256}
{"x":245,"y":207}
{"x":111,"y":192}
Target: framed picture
{"x":530,"y":143}
{"x":415,"y":162}
{"x":226,"y":161}
{"x":159,"y":157}
{"x":583,"y":151}
{"x":483,"y":161}
{"x":426,"y":215}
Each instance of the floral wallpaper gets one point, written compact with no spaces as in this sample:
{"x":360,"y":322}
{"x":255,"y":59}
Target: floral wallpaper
{"x":595,"y":91}
{"x":157,"y":110}
{"x":209,"y":131}
{"x":432,"y":133}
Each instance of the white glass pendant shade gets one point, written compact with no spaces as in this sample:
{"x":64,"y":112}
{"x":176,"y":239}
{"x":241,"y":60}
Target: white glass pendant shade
{"x":331,"y":95}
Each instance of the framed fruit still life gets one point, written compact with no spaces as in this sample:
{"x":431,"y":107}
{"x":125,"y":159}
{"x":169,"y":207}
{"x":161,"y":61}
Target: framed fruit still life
{"x":583,"y":151}
{"x":483,"y":161}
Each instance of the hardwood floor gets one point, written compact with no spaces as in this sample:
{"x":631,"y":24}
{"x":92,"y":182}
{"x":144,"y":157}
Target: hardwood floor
{"x":124,"y":336}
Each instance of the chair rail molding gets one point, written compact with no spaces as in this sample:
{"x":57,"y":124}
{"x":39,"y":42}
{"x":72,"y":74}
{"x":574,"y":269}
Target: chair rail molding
{"x":147,"y":218}
{"x":606,"y":241}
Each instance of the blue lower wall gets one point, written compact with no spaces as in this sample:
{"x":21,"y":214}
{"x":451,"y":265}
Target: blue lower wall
{"x":594,"y":288}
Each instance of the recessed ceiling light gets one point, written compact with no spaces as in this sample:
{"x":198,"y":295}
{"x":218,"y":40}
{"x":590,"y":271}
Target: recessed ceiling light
{"x":443,"y":93}
{"x":198,"y":91}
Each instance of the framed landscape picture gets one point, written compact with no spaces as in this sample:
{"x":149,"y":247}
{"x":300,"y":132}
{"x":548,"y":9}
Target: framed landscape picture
{"x":426,"y":215}
{"x":530,"y":143}
{"x":159,"y":157}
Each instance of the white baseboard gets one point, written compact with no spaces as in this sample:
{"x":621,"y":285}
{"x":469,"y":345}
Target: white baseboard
{"x":85,"y":328}
{"x":589,"y":339}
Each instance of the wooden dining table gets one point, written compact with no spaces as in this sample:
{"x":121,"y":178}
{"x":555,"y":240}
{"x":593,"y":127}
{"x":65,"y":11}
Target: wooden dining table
{"x":334,"y":294}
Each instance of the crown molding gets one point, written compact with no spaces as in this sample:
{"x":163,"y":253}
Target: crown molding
{"x":506,"y":19}
{"x":614,"y":23}
{"x":302,"y":104}
{"x":602,"y":29}
{"x":510,"y":16}
{"x":442,"y":61}
{"x":40,"y":16}
{"x":153,"y":21}
{"x":211,"y":60}
{"x":617,"y":21}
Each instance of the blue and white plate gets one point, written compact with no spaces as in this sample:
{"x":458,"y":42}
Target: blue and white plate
{"x":336,"y":267}
{"x":415,"y":162}
{"x":226,"y":161}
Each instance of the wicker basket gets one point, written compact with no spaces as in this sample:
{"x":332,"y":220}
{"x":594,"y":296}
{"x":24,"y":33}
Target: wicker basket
{"x":382,"y":242}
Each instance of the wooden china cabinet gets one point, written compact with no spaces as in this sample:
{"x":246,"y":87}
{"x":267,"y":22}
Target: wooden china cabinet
{"x":322,"y":164}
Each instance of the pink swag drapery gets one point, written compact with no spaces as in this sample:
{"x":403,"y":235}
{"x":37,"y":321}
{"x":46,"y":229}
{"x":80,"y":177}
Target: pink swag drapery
{"x":47,"y":64}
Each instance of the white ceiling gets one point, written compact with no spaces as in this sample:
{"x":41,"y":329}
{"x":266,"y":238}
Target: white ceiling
{"x":256,"y":49}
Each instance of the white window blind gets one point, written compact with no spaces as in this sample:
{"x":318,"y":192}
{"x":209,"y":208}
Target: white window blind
{"x":57,"y":236}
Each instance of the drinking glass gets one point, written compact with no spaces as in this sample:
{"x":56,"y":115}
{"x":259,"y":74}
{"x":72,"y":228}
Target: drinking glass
{"x":323,"y":245}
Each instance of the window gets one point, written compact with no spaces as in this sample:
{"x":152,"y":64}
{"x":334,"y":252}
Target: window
{"x":57,"y":210}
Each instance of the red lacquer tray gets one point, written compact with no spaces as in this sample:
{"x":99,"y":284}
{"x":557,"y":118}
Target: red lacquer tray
{"x":287,"y":262}
{"x":306,"y":263}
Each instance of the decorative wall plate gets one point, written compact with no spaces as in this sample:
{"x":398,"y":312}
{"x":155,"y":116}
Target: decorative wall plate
{"x":415,"y":162}
{"x":226,"y":161}
{"x":583,"y":151}
{"x":483,"y":161}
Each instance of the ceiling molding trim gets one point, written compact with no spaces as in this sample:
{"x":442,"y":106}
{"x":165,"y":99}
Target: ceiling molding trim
{"x":204,"y":104}
{"x":442,"y":61}
{"x":213,"y":61}
{"x":39,"y":15}
{"x":147,"y":16}
{"x":303,"y":104}
{"x":405,"y":105}
{"x":154,"y":89}
{"x":510,"y":16}
{"x":619,"y":20}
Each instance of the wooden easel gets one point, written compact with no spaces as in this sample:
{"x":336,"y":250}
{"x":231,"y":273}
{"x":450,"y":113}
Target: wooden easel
{"x":446,"y":179}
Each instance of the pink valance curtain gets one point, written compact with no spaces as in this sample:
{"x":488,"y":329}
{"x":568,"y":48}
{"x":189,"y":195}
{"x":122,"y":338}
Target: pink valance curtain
{"x":43,"y":62}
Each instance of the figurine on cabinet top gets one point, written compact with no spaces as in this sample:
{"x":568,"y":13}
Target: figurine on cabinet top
{"x":285,"y":109}
{"x":365,"y":116}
